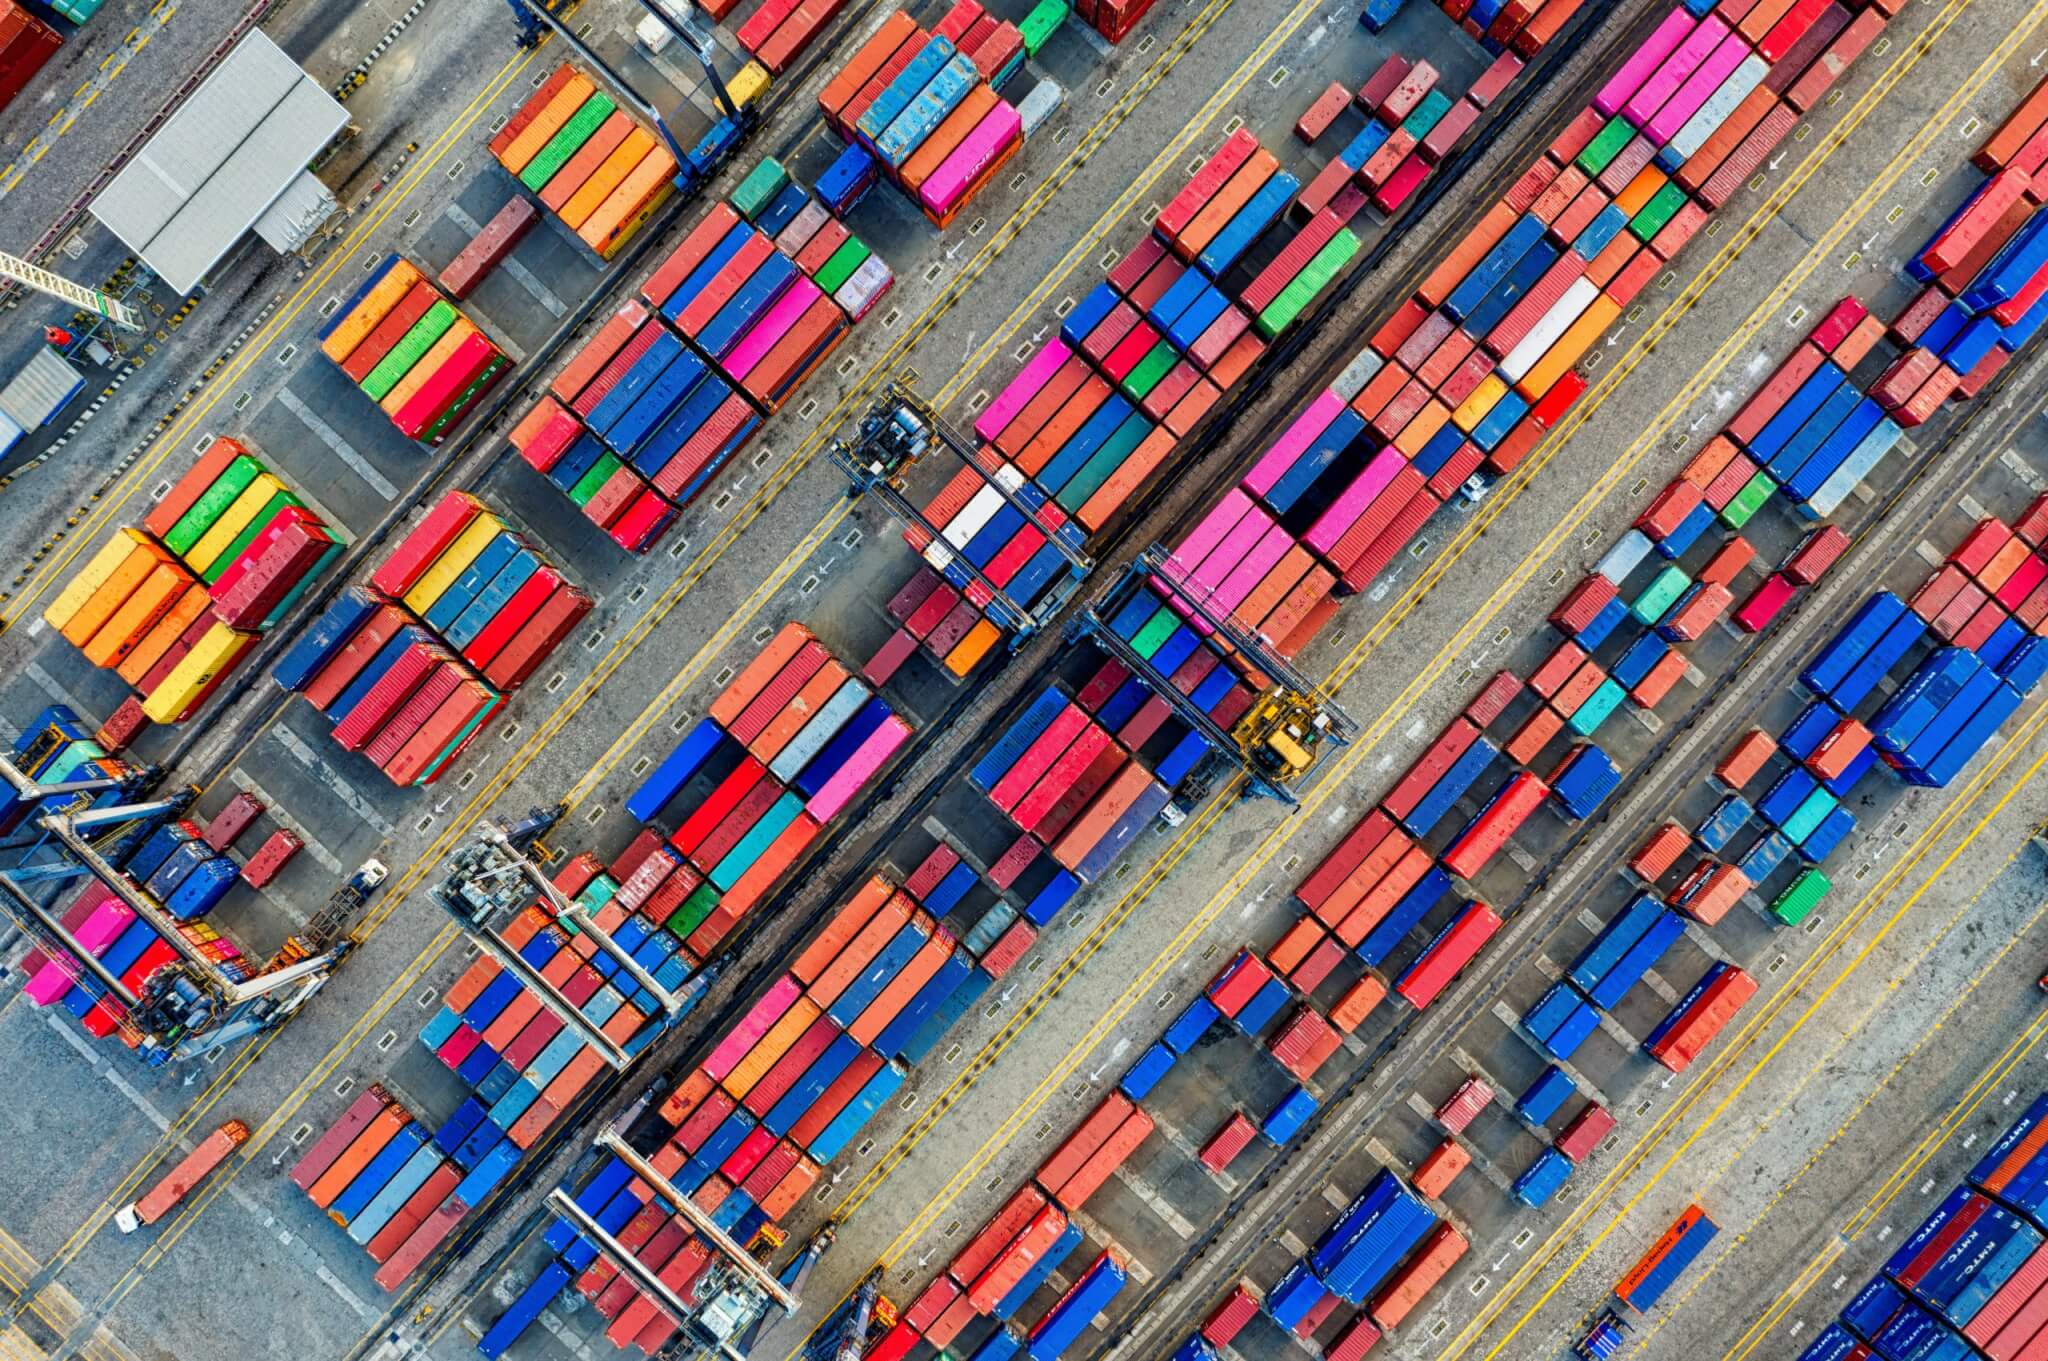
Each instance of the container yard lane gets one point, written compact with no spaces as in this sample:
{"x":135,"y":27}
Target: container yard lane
{"x":1777,"y":301}
{"x":1217,"y":84}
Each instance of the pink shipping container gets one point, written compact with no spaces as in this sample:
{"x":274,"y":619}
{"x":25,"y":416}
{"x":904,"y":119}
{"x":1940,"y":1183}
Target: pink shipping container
{"x":1645,"y":59}
{"x":2000,"y":1308}
{"x":1674,"y":71}
{"x":766,"y":332}
{"x":1293,"y":442}
{"x":859,"y":768}
{"x":1747,"y":158}
{"x":1026,"y":385}
{"x":946,"y":186}
{"x":1584,"y":1133}
{"x":756,"y":1023}
{"x":1472,"y":1097}
{"x":1720,"y":64}
{"x":1227,"y":1319}
{"x":1351,"y":503}
{"x":1226,"y":1143}
{"x":1364,"y":532}
{"x":1259,"y":294}
{"x":1756,"y":613}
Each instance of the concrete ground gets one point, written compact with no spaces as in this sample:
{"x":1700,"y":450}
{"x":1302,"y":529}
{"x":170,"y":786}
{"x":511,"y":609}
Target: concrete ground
{"x":778,"y":541}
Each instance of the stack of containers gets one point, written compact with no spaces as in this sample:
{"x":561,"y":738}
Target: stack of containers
{"x":524,"y":1068}
{"x":1972,"y":1279}
{"x":381,"y":1173}
{"x":778,"y":32}
{"x":640,"y":420}
{"x":1060,"y":774}
{"x":916,"y":108}
{"x":591,"y":165}
{"x":785,"y":748}
{"x":1524,"y":27}
{"x":173,"y":606}
{"x":1113,"y":19}
{"x":409,"y":668}
{"x":412,"y":351}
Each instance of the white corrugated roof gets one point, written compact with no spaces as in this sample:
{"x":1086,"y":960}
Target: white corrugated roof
{"x":40,"y":389}
{"x":219,"y":162}
{"x":297,"y":214}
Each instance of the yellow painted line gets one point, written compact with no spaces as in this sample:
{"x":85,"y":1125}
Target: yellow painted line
{"x":1733,"y":1048}
{"x":1339,"y":777}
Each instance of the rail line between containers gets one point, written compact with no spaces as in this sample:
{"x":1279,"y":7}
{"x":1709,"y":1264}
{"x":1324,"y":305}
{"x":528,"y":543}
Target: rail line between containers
{"x":1779,"y":1001}
{"x":1838,"y":1241}
{"x":112,"y":497}
{"x":416,"y":872}
{"x":1376,"y":732}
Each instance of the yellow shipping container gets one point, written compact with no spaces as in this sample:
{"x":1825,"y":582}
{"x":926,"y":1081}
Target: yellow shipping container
{"x":631,"y":205}
{"x":429,"y":364}
{"x":374,"y":307}
{"x":1576,"y":340}
{"x":749,"y":83}
{"x":138,"y":614}
{"x":453,"y":562}
{"x":142,"y":559}
{"x":609,"y":175}
{"x":92,"y":576}
{"x":757,"y":1061}
{"x":547,"y":123}
{"x":169,"y":629}
{"x":232,"y":522}
{"x":1473,"y":409}
{"x":189,"y":680}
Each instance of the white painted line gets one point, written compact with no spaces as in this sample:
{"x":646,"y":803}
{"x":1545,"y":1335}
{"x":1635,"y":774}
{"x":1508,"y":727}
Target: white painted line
{"x":345,"y":451}
{"x":328,"y":776}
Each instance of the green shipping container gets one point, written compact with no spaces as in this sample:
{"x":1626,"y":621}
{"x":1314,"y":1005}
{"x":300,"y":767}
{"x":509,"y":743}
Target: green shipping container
{"x":1748,"y":501}
{"x":559,"y":148}
{"x":1658,"y":597}
{"x":599,"y":474}
{"x":759,"y":188}
{"x":741,"y":858}
{"x":242,"y":540}
{"x":1315,"y":276}
{"x":77,"y":11}
{"x":1810,"y":813}
{"x":694,"y":910}
{"x":1157,"y":630}
{"x":193,"y":524}
{"x":1588,"y":717}
{"x":1041,"y":23}
{"x":410,"y":347}
{"x":836,"y":270}
{"x":1800,"y":897}
{"x":1103,"y":462}
{"x":1426,"y":115}
{"x":1156,"y":364}
{"x":1605,"y":146}
{"x":1662,"y":207}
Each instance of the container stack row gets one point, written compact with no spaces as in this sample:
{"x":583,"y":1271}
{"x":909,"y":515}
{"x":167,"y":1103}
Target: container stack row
{"x":411,"y":666}
{"x":590,"y":164}
{"x":172,"y":607}
{"x":1519,"y":27}
{"x":522,"y":1066}
{"x":785,"y":748}
{"x":920,"y":109}
{"x":640,"y":420}
{"x":777,"y":33}
{"x":412,"y":351}
{"x":1972,"y":1279}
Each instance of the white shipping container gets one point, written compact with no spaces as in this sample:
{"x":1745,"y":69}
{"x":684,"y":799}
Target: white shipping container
{"x":1711,"y":115}
{"x":1545,"y":333}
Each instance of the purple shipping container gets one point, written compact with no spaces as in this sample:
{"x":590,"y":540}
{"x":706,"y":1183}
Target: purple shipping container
{"x":1643,"y":61}
{"x":1322,"y":536}
{"x":1313,"y":420}
{"x":752,"y":1026}
{"x":1676,"y":70}
{"x":860,"y":767}
{"x":1698,"y":88}
{"x":1022,"y":388}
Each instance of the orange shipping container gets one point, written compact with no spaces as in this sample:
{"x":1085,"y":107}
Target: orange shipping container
{"x":381,"y":1130}
{"x":950,"y":133}
{"x":644,"y":190}
{"x":1441,"y":1168}
{"x":605,"y":178}
{"x":1358,"y":1003}
{"x":771,"y":1046}
{"x":1419,"y":1276}
{"x":802,"y":706}
{"x":840,"y":931}
{"x":879,"y":929}
{"x":740,"y":692}
{"x":1110,"y":497}
{"x":577,"y":170}
{"x":547,"y":122}
{"x":143,"y":559}
{"x":896,"y":995}
{"x":139,"y":614}
{"x":1217,"y":212}
{"x":144,"y":656}
{"x":1086,"y":1138}
{"x":862,"y":67}
{"x":1104,"y":1161}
